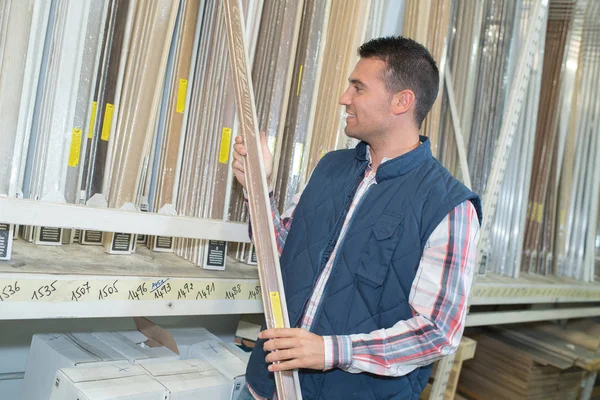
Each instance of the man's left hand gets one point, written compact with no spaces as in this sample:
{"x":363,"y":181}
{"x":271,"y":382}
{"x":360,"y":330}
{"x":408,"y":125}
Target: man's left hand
{"x":293,"y":348}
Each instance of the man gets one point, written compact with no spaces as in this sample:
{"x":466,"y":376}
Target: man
{"x":377,"y":256}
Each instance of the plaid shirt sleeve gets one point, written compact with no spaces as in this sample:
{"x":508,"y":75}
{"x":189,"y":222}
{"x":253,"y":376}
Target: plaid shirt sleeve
{"x":282,"y":224}
{"x":438,"y":299}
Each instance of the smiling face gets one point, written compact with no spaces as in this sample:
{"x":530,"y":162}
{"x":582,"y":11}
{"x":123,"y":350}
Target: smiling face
{"x":369,"y":105}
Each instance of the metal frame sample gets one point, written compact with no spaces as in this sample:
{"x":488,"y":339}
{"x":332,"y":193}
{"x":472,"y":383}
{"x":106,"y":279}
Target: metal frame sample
{"x":508,"y":130}
{"x":273,"y":296}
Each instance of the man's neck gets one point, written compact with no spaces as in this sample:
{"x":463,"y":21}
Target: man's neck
{"x":391,"y":149}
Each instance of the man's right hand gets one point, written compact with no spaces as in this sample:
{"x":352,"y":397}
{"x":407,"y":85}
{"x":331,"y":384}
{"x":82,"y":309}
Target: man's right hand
{"x":239,"y":152}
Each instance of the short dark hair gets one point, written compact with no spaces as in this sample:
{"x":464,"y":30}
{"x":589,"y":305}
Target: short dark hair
{"x":409,"y":66}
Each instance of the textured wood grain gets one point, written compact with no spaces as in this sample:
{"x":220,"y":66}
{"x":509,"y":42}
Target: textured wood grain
{"x":105,"y":94}
{"x":305,"y":86}
{"x":173,"y":136}
{"x":138,"y":106}
{"x":504,"y":368}
{"x":288,"y":386}
{"x":540,"y":218}
{"x":146,"y":64}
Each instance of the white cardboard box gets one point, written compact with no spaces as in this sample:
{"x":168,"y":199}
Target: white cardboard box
{"x":114,"y":382}
{"x":185,"y":338}
{"x":229,"y":360}
{"x":50,"y":352}
{"x":132,"y":350}
{"x":190,"y":379}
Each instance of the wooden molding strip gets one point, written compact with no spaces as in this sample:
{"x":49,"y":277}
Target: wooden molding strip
{"x":273,"y":296}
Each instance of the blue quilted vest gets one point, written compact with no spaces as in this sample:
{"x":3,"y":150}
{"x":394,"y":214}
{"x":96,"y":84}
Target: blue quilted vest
{"x":375,"y":265}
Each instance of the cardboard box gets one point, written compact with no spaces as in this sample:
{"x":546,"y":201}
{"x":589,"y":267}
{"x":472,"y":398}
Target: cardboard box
{"x":135,"y":351}
{"x":227,"y":359}
{"x":186,"y":338}
{"x":249,"y":327}
{"x":190,"y":379}
{"x":114,"y":382}
{"x":50,"y":352}
{"x":149,"y":343}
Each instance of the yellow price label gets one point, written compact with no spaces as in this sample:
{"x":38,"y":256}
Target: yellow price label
{"x":540,"y":213}
{"x":75,"y":150}
{"x":276,"y":309}
{"x":225,"y":145}
{"x":92,"y":120}
{"x":181,"y":95}
{"x":299,"y":80}
{"x":533,"y":211}
{"x":106,"y":125}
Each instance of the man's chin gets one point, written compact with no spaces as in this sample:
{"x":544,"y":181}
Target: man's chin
{"x":351,"y":134}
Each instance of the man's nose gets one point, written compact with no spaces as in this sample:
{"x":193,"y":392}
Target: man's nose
{"x":345,"y":98}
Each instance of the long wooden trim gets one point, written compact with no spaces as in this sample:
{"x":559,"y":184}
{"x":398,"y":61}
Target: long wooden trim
{"x":273,"y":296}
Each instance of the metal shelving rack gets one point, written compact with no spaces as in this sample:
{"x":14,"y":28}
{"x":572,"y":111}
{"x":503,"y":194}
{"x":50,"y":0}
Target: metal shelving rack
{"x":74,"y":276}
{"x":77,"y":281}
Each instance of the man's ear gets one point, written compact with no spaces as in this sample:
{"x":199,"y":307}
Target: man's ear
{"x":403,"y":101}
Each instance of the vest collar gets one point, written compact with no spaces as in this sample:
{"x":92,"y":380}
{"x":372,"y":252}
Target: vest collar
{"x":400,"y":165}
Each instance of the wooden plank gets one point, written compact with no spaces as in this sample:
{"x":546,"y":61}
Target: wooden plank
{"x":288,"y":385}
{"x":504,"y":368}
{"x":138,"y":108}
{"x":575,"y":336}
{"x":442,"y":375}
{"x":465,"y":351}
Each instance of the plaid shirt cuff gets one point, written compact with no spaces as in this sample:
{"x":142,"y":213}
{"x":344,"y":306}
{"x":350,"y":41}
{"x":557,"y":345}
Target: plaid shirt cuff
{"x":338,"y":352}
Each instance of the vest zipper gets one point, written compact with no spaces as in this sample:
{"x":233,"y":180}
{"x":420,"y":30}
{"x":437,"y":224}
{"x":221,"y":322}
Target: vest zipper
{"x":320,"y":306}
{"x":359,"y":177}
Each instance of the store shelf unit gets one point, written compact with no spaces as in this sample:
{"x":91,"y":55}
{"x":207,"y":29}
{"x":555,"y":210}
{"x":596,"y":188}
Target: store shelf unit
{"x":77,"y":281}
{"x":83,"y":282}
{"x":57,"y":215}
{"x":502,"y":300}
{"x":495,"y":289}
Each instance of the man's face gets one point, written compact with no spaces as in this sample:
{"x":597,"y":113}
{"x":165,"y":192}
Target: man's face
{"x":367,"y":101}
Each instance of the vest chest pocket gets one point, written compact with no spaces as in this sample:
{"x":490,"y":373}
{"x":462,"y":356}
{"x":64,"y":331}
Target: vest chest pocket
{"x":376,"y":258}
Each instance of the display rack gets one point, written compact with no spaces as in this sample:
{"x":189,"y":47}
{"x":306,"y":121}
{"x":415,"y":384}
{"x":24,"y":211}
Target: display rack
{"x":84,"y":282}
{"x":76,"y":275}
{"x":57,"y":215}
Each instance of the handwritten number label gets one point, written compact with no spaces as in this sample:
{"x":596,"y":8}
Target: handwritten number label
{"x":108,"y":290}
{"x":187,"y":288}
{"x":162,"y":290}
{"x":44,"y":291}
{"x":9,"y":290}
{"x":254,"y":294}
{"x":138,"y":293}
{"x":80,"y":291}
{"x":235,"y":290}
{"x":206,"y":291}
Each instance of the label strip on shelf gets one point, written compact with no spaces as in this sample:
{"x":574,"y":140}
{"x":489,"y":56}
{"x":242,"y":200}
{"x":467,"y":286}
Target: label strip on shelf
{"x":57,"y":290}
